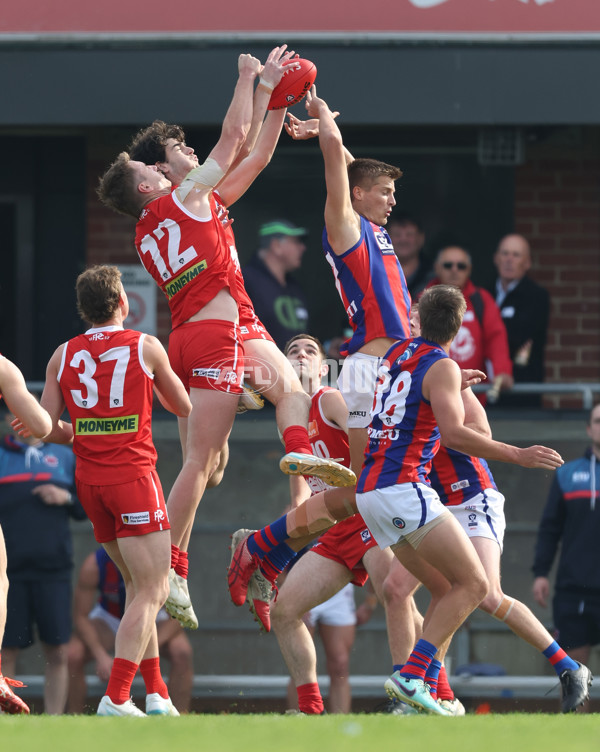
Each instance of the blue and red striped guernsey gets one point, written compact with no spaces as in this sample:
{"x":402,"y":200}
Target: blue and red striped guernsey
{"x":372,"y":286}
{"x":457,"y":477}
{"x":403,"y":435}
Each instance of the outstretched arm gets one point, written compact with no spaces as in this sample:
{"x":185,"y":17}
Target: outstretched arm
{"x":167,"y":385}
{"x":270,"y":76}
{"x":240,"y":178}
{"x":441,"y":385}
{"x":341,"y":221}
{"x":302,"y":130}
{"x":20,"y":402}
{"x":195,"y":189}
{"x":475,"y":414}
{"x":53,"y":401}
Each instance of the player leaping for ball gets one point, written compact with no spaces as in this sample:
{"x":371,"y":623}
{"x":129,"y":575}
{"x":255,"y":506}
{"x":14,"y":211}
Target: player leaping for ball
{"x":371,"y":283}
{"x":183,"y":244}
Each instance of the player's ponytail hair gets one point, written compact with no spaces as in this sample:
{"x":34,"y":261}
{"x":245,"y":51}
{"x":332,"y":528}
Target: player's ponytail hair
{"x":441,"y":311}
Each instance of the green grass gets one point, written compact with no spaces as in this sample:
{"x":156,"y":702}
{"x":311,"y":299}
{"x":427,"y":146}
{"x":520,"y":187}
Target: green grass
{"x":514,"y":732}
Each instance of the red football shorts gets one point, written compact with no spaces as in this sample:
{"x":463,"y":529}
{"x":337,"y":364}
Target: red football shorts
{"x":125,"y":509}
{"x":251,"y":327}
{"x":347,"y":542}
{"x":208,"y":354}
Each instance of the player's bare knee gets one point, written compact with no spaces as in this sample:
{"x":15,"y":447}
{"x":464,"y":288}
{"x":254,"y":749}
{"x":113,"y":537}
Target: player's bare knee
{"x":396,"y":592}
{"x":338,"y":665}
{"x":180,"y":654}
{"x":285,"y":613}
{"x":76,"y":654}
{"x":311,"y":517}
{"x":500,"y":608}
{"x":480,"y":587}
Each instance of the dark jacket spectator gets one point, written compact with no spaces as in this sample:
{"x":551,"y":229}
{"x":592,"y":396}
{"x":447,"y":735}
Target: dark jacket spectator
{"x":278,"y":299}
{"x":525,"y":309}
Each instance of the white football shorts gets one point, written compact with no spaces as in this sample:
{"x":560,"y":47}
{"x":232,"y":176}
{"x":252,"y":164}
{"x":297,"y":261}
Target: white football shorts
{"x":482,"y":516}
{"x":396,"y":511}
{"x":356,"y":382}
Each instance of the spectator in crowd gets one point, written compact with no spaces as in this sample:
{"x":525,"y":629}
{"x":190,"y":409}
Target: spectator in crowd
{"x":571,"y":518}
{"x":481,"y":341}
{"x":37,"y":502}
{"x":98,"y":606}
{"x":278,"y":299}
{"x":408,"y":239}
{"x":525,"y":309}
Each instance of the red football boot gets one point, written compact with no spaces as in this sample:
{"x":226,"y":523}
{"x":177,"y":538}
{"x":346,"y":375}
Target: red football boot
{"x":242,"y":565}
{"x":9,"y":701}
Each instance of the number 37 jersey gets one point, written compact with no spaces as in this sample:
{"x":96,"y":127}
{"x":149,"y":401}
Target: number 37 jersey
{"x":403,"y":434}
{"x":107,"y":389}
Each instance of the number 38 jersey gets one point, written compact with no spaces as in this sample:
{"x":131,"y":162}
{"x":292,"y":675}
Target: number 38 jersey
{"x":188,"y":257}
{"x":107,"y":389}
{"x":403,"y":434}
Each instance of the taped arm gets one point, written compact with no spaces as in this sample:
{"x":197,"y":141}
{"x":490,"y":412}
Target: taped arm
{"x":205,"y":177}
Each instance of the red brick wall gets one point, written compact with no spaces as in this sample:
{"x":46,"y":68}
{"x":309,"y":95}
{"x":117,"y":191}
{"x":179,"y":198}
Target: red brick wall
{"x":557,"y":207}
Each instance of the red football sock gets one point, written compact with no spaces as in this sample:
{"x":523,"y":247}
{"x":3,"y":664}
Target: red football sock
{"x":150,"y":669}
{"x":175,"y":554}
{"x":444,"y":690}
{"x":295,"y":439}
{"x":121,"y":678}
{"x":309,"y":699}
{"x":182,"y":565}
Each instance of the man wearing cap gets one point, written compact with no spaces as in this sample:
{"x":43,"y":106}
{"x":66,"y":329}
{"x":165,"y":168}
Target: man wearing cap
{"x":279,"y":300}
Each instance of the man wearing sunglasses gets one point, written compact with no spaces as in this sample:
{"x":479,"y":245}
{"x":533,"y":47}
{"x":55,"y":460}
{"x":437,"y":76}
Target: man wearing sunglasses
{"x":481,"y":341}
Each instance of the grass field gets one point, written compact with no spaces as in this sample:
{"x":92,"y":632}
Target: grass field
{"x":265,"y":733}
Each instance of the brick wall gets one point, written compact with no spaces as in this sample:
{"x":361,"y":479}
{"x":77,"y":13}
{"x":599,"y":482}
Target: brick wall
{"x":557,"y":207}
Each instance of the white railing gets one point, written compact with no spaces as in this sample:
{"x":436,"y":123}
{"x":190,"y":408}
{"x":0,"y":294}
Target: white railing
{"x":587,"y":390}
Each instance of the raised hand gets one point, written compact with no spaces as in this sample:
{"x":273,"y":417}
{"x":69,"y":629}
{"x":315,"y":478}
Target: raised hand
{"x":249,"y":63}
{"x":301,"y":130}
{"x":274,"y":68}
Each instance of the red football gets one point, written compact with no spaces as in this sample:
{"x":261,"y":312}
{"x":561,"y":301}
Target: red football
{"x":295,"y":82}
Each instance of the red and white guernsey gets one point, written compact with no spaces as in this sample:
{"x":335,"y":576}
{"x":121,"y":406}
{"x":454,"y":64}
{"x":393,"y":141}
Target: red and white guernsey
{"x":107,"y":389}
{"x":251,"y":326}
{"x":327,"y":439}
{"x":188,"y":257}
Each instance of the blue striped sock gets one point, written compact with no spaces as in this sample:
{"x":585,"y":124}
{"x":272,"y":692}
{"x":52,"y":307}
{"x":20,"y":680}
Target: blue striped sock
{"x":420,"y":658}
{"x":264,"y":541}
{"x":431,"y":676}
{"x":558,"y":658}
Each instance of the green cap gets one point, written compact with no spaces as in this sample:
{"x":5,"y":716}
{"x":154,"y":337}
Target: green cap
{"x":281,"y":227}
